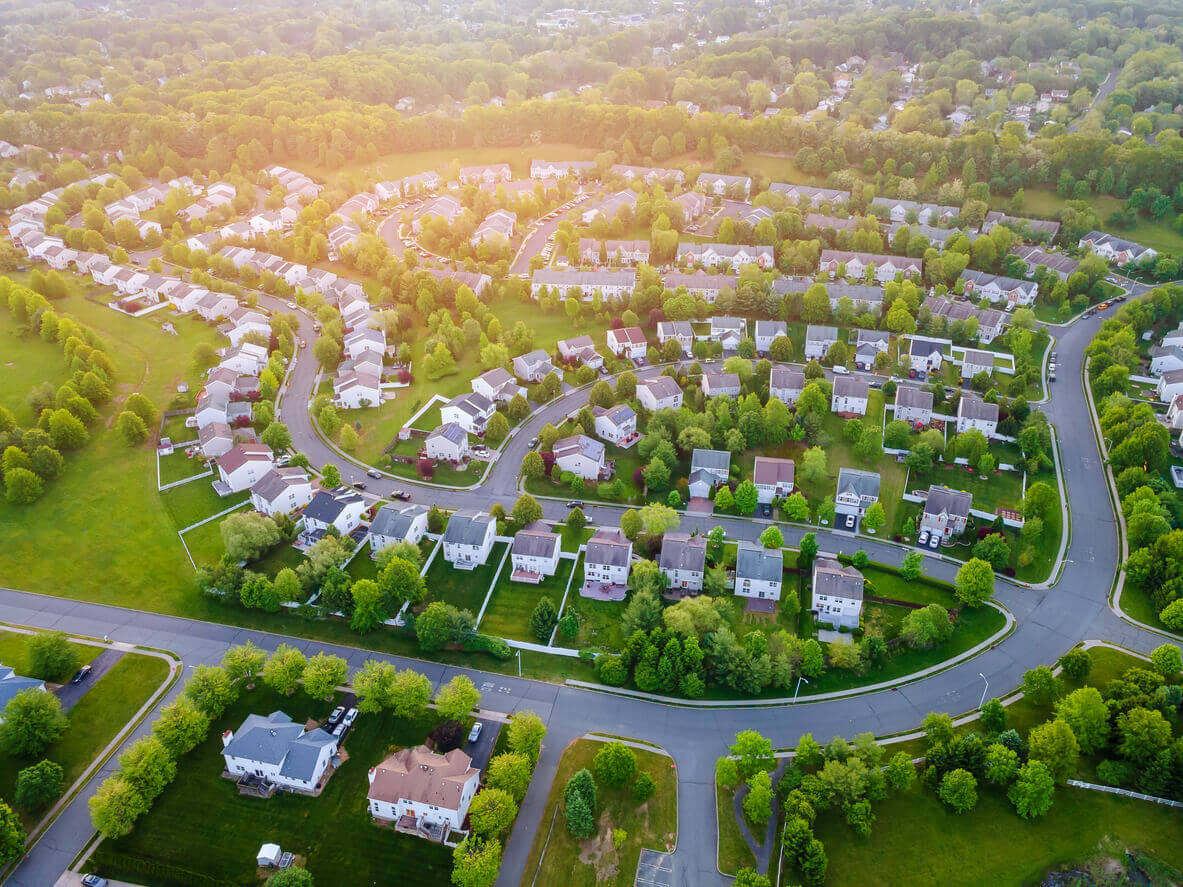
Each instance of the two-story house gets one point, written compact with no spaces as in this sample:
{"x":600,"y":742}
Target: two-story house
{"x":717,"y":384}
{"x":837,"y":593}
{"x":913,"y":405}
{"x":627,"y":342}
{"x":279,"y":752}
{"x":617,"y":425}
{"x":424,"y":793}
{"x":683,"y":561}
{"x":819,"y":340}
{"x":786,"y":384}
{"x":397,"y":523}
{"x":282,"y":491}
{"x":242,"y":467}
{"x":759,"y":571}
{"x":470,"y":411}
{"x":447,"y":443}
{"x":535,"y":555}
{"x":583,"y":456}
{"x":856,"y":492}
{"x":851,"y":394}
{"x":708,"y":469}
{"x":773,"y":478}
{"x":973,"y":412}
{"x":468,"y":539}
{"x":946,"y":512}
{"x":606,"y":564}
{"x":660,"y":393}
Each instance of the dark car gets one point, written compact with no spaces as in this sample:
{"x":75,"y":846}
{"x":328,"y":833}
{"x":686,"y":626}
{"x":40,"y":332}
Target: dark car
{"x":80,"y":675}
{"x":575,"y":503}
{"x":533,"y":442}
{"x":766,"y":510}
{"x":401,"y":494}
{"x":358,"y":485}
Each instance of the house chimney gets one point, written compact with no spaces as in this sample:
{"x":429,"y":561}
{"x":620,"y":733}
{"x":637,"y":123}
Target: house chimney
{"x":226,"y":737}
{"x":373,"y":770}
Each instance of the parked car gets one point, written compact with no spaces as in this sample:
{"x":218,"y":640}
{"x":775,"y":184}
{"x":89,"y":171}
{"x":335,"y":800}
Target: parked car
{"x":292,"y":306}
{"x":358,"y":485}
{"x":303,"y":344}
{"x":475,"y":733}
{"x":402,"y":495}
{"x":533,"y":442}
{"x":335,"y":717}
{"x":575,"y":503}
{"x":339,"y":730}
{"x":81,"y":675}
{"x":923,"y":537}
{"x":350,"y":717}
{"x":93,"y":881}
{"x":766,"y":510}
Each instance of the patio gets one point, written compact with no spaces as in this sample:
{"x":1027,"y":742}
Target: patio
{"x":603,"y":591}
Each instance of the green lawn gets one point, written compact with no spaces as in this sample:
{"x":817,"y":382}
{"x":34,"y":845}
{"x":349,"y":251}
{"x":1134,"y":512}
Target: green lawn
{"x":512,"y":603}
{"x":205,"y":543}
{"x":1002,"y":489}
{"x":465,"y":589}
{"x":333,"y":833}
{"x":14,"y":652}
{"x":733,"y":852}
{"x":595,"y":862}
{"x":1048,"y":204}
{"x":178,"y":466}
{"x":194,"y":501}
{"x":25,"y":362}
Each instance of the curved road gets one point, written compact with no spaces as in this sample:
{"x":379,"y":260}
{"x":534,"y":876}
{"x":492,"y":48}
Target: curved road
{"x":1049,"y":622}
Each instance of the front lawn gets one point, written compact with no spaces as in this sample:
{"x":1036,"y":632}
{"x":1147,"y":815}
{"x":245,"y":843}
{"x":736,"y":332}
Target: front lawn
{"x":508,"y":615}
{"x":333,"y":833}
{"x":464,"y":589}
{"x":595,"y":862}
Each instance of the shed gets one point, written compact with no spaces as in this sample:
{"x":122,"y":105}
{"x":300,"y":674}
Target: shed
{"x":269,"y":855}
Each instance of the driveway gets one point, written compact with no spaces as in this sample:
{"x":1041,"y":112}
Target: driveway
{"x":69,"y":694}
{"x":481,"y":750}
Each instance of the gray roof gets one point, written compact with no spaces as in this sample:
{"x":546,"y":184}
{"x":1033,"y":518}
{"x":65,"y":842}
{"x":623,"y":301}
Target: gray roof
{"x":978,"y":358}
{"x":12,"y":683}
{"x":326,"y":506}
{"x":395,"y":521}
{"x":771,"y":328}
{"x":610,"y":547}
{"x":713,"y":460}
{"x":851,"y":386}
{"x":873,"y":337}
{"x":814,"y":333}
{"x":471,"y":403}
{"x":1006,"y":284}
{"x":834,"y":580}
{"x":955,"y":503}
{"x":757,"y":562}
{"x":535,"y":543}
{"x":579,"y":443}
{"x":496,"y":377}
{"x":618,"y":414}
{"x":786,"y":377}
{"x":700,"y":281}
{"x":275,"y":482}
{"x":720,"y":380}
{"x":681,"y":551}
{"x":911,"y":396}
{"x":861,"y":483}
{"x":973,"y":407}
{"x":661,"y":387}
{"x":274,"y":739}
{"x":450,"y":432}
{"x":923,"y":348}
{"x":468,"y":527}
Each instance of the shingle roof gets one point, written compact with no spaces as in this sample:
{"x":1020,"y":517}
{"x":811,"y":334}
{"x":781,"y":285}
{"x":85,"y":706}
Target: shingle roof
{"x":851,"y":386}
{"x":834,"y":580}
{"x":11,"y":684}
{"x":955,"y":503}
{"x":535,"y":543}
{"x":973,"y":407}
{"x":273,"y":739}
{"x":468,"y":527}
{"x":422,"y":776}
{"x":661,"y":387}
{"x":769,"y":471}
{"x":275,"y":482}
{"x":754,"y":561}
{"x":814,"y":333}
{"x":240,"y":455}
{"x":911,"y":396}
{"x":712,"y":460}
{"x":610,"y":547}
{"x":451,"y":432}
{"x":395,"y":521}
{"x":860,"y":483}
{"x":680,"y":551}
{"x":786,"y":377}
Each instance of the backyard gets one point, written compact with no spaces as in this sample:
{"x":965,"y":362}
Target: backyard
{"x":508,"y":615}
{"x":464,"y":589}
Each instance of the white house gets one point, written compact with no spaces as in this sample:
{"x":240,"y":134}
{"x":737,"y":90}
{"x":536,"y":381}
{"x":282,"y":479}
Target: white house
{"x":767,"y":331}
{"x":468,"y":539}
{"x":606,"y":562}
{"x":609,"y":284}
{"x":216,"y":438}
{"x":773,"y":478}
{"x":925,"y":355}
{"x":1165,"y":358}
{"x":679,"y":330}
{"x":211,"y":306}
{"x":364,"y":339}
{"x":819,"y":340}
{"x":357,"y":390}
{"x":683,"y":561}
{"x":734,"y":255}
{"x":974,"y":361}
{"x":856,"y":492}
{"x":533,"y":366}
{"x":856,"y":264}
{"x":850,"y":396}
{"x":447,"y":443}
{"x":242,"y":467}
{"x":282,"y":491}
{"x":498,"y":226}
{"x":628,"y":342}
{"x":1170,"y":385}
{"x":397,"y":523}
{"x":581,"y":350}
{"x":341,"y":508}
{"x":973,"y":412}
{"x":497,"y":385}
{"x":759,"y":571}
{"x":715,"y":384}
{"x":583,"y":456}
{"x":837,"y":593}
{"x":946,"y":511}
{"x":534,"y":554}
{"x":913,"y":405}
{"x":995,"y":287}
{"x":728,"y":331}
{"x":423,"y":792}
{"x":717,"y":183}
{"x":786,"y":384}
{"x":869,"y":345}
{"x":242,"y":322}
{"x":617,"y":425}
{"x":660,"y":393}
{"x":276,"y":750}
{"x":246,"y":359}
{"x":470,"y":411}
{"x":491,"y":173}
{"x":708,"y":469}
{"x":558,"y":169}
{"x":1117,"y":250}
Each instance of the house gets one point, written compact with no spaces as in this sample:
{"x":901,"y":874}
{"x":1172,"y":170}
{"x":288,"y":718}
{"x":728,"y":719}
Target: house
{"x":242,"y":322}
{"x":609,"y":284}
{"x":282,"y":491}
{"x":445,"y":207}
{"x":499,"y":226}
{"x":679,"y":330}
{"x":274,"y":749}
{"x":1164,"y":359}
{"x":869,"y":345}
{"x":759,"y":571}
{"x":683,"y":561}
{"x":822,"y":222}
{"x":804,"y":195}
{"x":610,"y":207}
{"x":661,"y":393}
{"x":1117,"y":250}
{"x":535,"y":555}
{"x":734,"y":255}
{"x":533,"y":366}
{"x":628,"y":342}
{"x":911,"y":211}
{"x":213,"y":306}
{"x":470,"y":411}
{"x":973,"y":412}
{"x":397,"y":523}
{"x":497,"y":385}
{"x":773,"y":478}
{"x":581,"y":350}
{"x":1173,"y":338}
{"x":650,"y":175}
{"x":717,"y":384}
{"x":423,"y":792}
{"x":1060,"y":264}
{"x":786,"y":384}
{"x":12,"y":683}
{"x":468,"y":539}
{"x":213,"y":407}
{"x":341,"y":508}
{"x":617,"y":425}
{"x":606,"y":562}
{"x":717,"y":183}
{"x":837,"y":593}
{"x":856,"y":492}
{"x":583,"y":456}
{"x":447,"y":443}
{"x":702,"y":285}
{"x":850,"y":396}
{"x":357,"y":390}
{"x":995,"y":287}
{"x":708,"y":469}
{"x":728,"y":331}
{"x":693,"y":205}
{"x":819,"y":340}
{"x":925,"y":355}
{"x":1175,"y":414}
{"x":242,"y":467}
{"x":767,"y":331}
{"x":364,"y":339}
{"x":974,"y":362}
{"x":1170,"y":385}
{"x":478,"y":283}
{"x":624,"y":252}
{"x":558,"y":169}
{"x":945,"y":512}
{"x":913,"y":405}
{"x":855,"y":264}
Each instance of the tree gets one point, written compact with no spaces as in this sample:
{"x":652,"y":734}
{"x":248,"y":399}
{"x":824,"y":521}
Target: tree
{"x":433,"y":627}
{"x":66,"y":431}
{"x":1076,"y":663}
{"x":579,"y":802}
{"x":295,"y":876}
{"x":753,"y":752}
{"x":772,"y":537}
{"x":1144,"y":733}
{"x":912,"y":566}
{"x":248,"y":534}
{"x":975,"y":582}
{"x":116,"y":806}
{"x":51,"y":656}
{"x":526,"y":510}
{"x":369,"y":605}
{"x":284,"y":669}
{"x":1002,"y":764}
{"x":643,"y":787}
{"x":330,"y":477}
{"x":511,"y":772}
{"x":276,"y":436}
{"x":244,"y":662}
{"x":22,"y":486}
{"x":1085,"y":712}
{"x":148,"y":767}
{"x":1055,"y":744}
{"x":543,"y":619}
{"x":1167,"y":660}
{"x":1040,"y":685}
{"x":993,"y":717}
{"x":12,"y":835}
{"x":39,"y":784}
{"x":757,"y":804}
{"x":1032,"y":792}
{"x":475,"y":862}
{"x":132,"y":428}
{"x":33,"y":721}
{"x":814,"y":467}
{"x":457,"y":698}
{"x":532,"y":466}
{"x":211,"y":690}
{"x":807,"y":551}
{"x":875,"y":517}
{"x":497,"y":430}
{"x":180,"y":727}
{"x":492,"y":812}
{"x":994,"y":549}
{"x":615,"y":764}
{"x":746,"y":497}
{"x":938,"y":728}
{"x":323,"y":673}
{"x":524,"y":734}
{"x":657,"y":519}
{"x":959,"y":790}
{"x":900,"y":772}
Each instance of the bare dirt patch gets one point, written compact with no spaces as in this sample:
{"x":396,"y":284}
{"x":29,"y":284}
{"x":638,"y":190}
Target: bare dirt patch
{"x":599,"y":852}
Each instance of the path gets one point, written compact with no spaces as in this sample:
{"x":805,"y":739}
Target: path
{"x":761,"y":850}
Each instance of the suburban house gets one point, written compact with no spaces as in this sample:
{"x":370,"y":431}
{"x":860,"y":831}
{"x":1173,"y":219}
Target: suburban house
{"x":243,"y":467}
{"x":728,"y":331}
{"x":661,"y":393}
{"x":717,"y":183}
{"x":606,"y":563}
{"x":213,"y":306}
{"x":216,"y":438}
{"x":973,"y":412}
{"x":397,"y":523}
{"x":445,"y":207}
{"x":557,"y":169}
{"x":804,"y":195}
{"x":610,"y":207}
{"x":12,"y":683}
{"x":767,"y":331}
{"x":855,"y":264}
{"x":773,"y":478}
{"x":650,"y":174}
{"x":912,"y":211}
{"x":447,"y":443}
{"x":717,"y":384}
{"x":693,"y":205}
{"x":708,"y":469}
{"x":282,"y":491}
{"x":701,"y":285}
{"x":1038,"y":227}
{"x":468,"y":539}
{"x":837,"y":593}
{"x":974,"y":361}
{"x":679,"y":330}
{"x":1060,"y":264}
{"x":218,"y":407}
{"x":624,"y":252}
{"x":341,"y":508}
{"x":583,"y":456}
{"x":278,"y":752}
{"x":422,"y":792}
{"x":470,"y":411}
{"x":497,"y":385}
{"x":533,"y":366}
{"x":1117,"y":250}
{"x":359,"y":341}
{"x":995,"y":287}
{"x":498,"y":226}
{"x":1163,"y":359}
{"x":913,"y":405}
{"x":1170,"y":385}
{"x":818,"y":341}
{"x":856,"y":492}
{"x":581,"y":350}
{"x":786,"y":384}
{"x":925,"y":355}
{"x":535,"y":555}
{"x":850,"y":396}
{"x":617,"y":425}
{"x":628,"y":342}
{"x":869,"y":345}
{"x":357,"y":390}
{"x":734,"y":255}
{"x":609,"y":284}
{"x":683,"y":561}
{"x":946,"y":511}
{"x":759,"y":571}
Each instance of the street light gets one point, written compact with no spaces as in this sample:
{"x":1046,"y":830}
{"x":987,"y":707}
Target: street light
{"x":798,"y":690}
{"x":984,"y":689}
{"x":519,"y":662}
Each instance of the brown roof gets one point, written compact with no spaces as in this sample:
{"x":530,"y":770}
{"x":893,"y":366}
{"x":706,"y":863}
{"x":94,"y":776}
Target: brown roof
{"x":238,"y":456}
{"x":419,"y":774}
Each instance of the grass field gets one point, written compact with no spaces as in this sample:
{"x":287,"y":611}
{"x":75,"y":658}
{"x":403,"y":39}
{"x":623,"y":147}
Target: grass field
{"x":1048,"y":204}
{"x":14,"y":651}
{"x":196,"y":501}
{"x":333,"y":832}
{"x":595,"y":862}
{"x":512,"y":603}
{"x":178,"y":466}
{"x":26,"y":362}
{"x":465,"y":589}
{"x":734,"y":852}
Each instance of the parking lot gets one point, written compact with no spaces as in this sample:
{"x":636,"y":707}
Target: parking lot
{"x":654,"y":870}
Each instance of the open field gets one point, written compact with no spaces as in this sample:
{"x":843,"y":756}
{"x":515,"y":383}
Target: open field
{"x":1047,"y":204}
{"x":26,"y":362}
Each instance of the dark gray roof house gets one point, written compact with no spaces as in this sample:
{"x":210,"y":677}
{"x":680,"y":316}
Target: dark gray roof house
{"x":395,"y":521}
{"x":12,"y":683}
{"x":275,"y":739}
{"x":468,"y":527}
{"x":942,"y":500}
{"x":756,"y":562}
{"x":681,"y":551}
{"x":535,"y":543}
